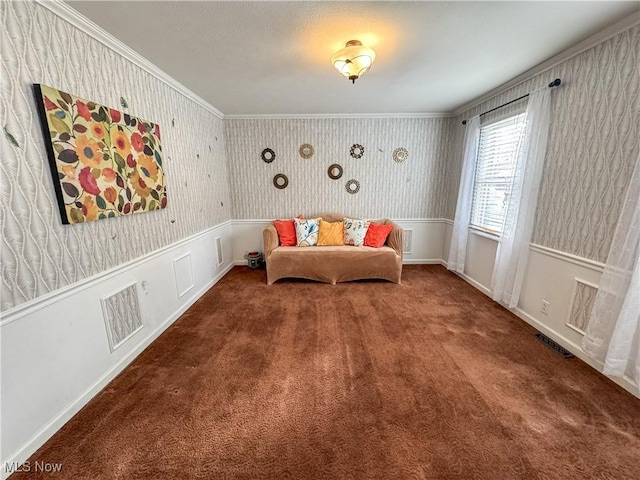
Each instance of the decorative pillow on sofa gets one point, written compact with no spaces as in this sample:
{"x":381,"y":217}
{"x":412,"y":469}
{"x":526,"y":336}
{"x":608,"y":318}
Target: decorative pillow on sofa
{"x":331,"y":233}
{"x":307,"y":231}
{"x":286,"y":232}
{"x":355,"y":231}
{"x":377,"y":234}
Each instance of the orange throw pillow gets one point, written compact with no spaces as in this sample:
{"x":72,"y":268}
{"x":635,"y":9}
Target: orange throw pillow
{"x":377,"y":235}
{"x":286,"y":232}
{"x":331,"y":233}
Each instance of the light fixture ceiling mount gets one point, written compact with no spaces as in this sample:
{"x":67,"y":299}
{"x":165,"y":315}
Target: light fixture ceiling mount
{"x":354,"y":60}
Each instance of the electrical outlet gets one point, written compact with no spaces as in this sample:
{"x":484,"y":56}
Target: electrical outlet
{"x":545,"y":307}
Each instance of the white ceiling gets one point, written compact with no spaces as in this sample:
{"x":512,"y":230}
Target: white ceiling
{"x":274,"y":57}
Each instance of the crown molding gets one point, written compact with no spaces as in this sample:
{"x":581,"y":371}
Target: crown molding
{"x":602,"y":36}
{"x":289,"y":116}
{"x":75,"y":18}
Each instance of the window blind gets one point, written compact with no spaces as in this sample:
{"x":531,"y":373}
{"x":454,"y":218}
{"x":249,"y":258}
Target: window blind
{"x":495,"y":171}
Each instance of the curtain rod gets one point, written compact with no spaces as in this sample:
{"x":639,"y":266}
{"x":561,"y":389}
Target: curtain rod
{"x":555,"y":83}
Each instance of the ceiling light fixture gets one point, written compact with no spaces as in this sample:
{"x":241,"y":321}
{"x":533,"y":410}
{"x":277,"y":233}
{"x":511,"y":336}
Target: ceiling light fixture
{"x":353,"y":60}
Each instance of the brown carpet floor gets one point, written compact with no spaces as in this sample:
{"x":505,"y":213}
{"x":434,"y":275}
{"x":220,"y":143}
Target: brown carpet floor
{"x":428,"y":379}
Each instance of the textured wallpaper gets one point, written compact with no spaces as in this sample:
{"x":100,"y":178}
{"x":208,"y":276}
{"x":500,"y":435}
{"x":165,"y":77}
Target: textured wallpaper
{"x":414,"y":188}
{"x":593,"y":144}
{"x":38,"y":254}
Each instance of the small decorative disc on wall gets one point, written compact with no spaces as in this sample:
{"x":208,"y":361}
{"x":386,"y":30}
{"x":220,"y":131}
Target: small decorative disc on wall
{"x":357,"y":151}
{"x":268,"y":155}
{"x":306,"y":150}
{"x":280,"y":181}
{"x":335,"y":171}
{"x":353,"y":186}
{"x":400,"y":154}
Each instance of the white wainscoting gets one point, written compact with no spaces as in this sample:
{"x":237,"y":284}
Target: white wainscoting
{"x":550,"y":276}
{"x":55,"y":349}
{"x":427,"y":238}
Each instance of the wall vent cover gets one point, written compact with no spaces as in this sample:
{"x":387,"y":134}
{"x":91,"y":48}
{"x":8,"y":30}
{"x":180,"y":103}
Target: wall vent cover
{"x":122,"y":317}
{"x":408,"y":236}
{"x":582,"y":300}
{"x":219,"y":250}
{"x":559,"y":349}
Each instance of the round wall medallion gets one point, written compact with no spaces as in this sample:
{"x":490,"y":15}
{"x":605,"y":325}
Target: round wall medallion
{"x":353,"y":186}
{"x":268,"y":155}
{"x":335,"y":171}
{"x":280,"y":181}
{"x":357,"y":151}
{"x":400,"y":154}
{"x":306,"y":150}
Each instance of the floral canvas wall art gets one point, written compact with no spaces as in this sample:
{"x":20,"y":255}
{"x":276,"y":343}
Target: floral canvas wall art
{"x":105,"y":163}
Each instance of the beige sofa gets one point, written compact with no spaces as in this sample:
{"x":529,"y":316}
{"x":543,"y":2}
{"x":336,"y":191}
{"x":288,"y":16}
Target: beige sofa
{"x":334,"y":264}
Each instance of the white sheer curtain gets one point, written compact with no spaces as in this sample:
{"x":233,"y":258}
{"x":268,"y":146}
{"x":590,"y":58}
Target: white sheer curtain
{"x":613,"y":331}
{"x":513,"y":248}
{"x":458,"y":248}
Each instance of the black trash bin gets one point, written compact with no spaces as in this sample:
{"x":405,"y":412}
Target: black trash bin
{"x":254,"y":259}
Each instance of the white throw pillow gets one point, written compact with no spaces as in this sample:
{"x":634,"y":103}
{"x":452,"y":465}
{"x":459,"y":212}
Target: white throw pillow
{"x":307,"y":231}
{"x":354,"y":231}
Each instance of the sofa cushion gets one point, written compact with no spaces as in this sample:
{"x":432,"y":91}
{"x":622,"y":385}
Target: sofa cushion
{"x":306,"y":231}
{"x":334,"y":264}
{"x":331,"y":233}
{"x":377,"y":234}
{"x":354,"y":231}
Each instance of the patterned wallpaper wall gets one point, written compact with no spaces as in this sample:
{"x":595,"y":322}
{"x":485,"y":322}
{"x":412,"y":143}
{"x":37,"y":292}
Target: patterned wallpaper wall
{"x":593,"y":142}
{"x":415,"y":188}
{"x":38,"y":254}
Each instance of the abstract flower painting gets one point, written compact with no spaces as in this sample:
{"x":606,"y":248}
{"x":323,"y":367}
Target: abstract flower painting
{"x":105,"y":163}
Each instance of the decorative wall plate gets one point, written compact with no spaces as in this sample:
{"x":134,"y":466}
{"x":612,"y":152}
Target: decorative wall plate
{"x":335,"y":171}
{"x":268,"y":155}
{"x":280,"y":181}
{"x":400,"y":154}
{"x":353,"y":186}
{"x":306,"y":150}
{"x":357,"y":151}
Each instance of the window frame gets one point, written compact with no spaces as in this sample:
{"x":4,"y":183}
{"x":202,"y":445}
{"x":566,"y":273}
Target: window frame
{"x":519,"y":116}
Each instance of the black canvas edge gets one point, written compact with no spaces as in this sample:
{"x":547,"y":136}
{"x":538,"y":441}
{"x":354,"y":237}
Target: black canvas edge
{"x":53,"y":166}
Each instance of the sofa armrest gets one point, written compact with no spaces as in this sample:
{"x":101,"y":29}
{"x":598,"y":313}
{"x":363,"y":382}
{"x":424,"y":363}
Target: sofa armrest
{"x":395,"y":239}
{"x":270,"y":240}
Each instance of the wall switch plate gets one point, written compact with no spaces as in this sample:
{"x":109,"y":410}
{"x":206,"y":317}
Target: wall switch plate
{"x":545,"y":307}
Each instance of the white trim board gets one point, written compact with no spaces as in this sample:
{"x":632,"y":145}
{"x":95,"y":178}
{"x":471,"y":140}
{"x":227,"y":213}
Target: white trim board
{"x":42,"y":301}
{"x":56,"y":423}
{"x":575,"y":349}
{"x":292,"y":116}
{"x":550,"y":252}
{"x":625,"y":382}
{"x":82,"y":23}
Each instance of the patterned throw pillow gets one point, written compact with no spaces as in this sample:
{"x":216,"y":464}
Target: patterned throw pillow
{"x":355,"y":231}
{"x":307,"y":231}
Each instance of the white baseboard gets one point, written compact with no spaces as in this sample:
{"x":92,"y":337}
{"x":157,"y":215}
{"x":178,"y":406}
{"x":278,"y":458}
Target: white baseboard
{"x":557,"y":337}
{"x":624,"y":382}
{"x":476,"y":284}
{"x":421,"y":261}
{"x":46,"y":432}
{"x":55,"y":352}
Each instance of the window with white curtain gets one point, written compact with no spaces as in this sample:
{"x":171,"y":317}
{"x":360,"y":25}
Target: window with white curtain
{"x":495,"y":170}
